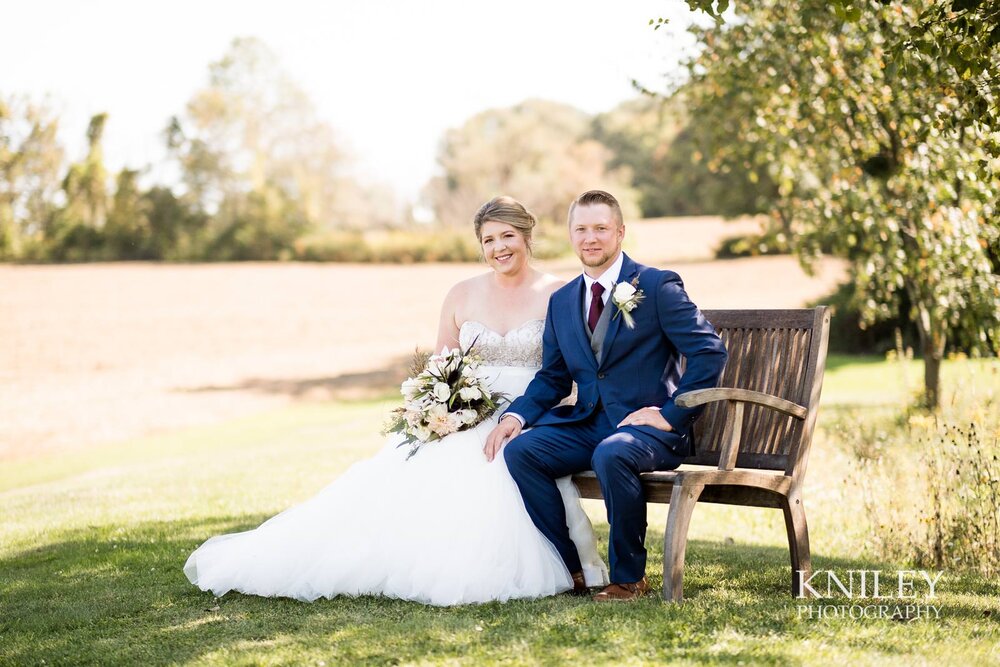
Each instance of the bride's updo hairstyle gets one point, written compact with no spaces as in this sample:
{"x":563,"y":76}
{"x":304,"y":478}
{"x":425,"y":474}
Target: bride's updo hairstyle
{"x":508,"y":211}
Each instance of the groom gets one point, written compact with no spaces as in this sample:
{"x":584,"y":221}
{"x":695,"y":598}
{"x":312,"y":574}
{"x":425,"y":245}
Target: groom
{"x":619,"y":332}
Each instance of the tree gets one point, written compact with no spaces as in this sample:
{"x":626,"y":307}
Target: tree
{"x":177,"y":229}
{"x":655,"y":138}
{"x":86,"y":182}
{"x":127,"y":232}
{"x":262,"y":225}
{"x":30,"y":160}
{"x":960,"y":38}
{"x":252,"y":137}
{"x":964,"y":35}
{"x":539,"y":151}
{"x":75,"y":231}
{"x":863,"y":160}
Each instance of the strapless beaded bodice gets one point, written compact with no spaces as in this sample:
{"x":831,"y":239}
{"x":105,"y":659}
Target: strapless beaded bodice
{"x":521,"y":346}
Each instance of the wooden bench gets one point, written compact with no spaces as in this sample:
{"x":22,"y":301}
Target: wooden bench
{"x":752,"y":440}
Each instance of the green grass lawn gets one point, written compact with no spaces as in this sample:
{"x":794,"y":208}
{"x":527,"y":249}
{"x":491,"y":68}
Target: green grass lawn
{"x":92,"y":545}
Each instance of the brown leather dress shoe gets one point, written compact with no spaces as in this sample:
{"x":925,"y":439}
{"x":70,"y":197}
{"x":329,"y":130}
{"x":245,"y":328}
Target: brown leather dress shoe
{"x":579,"y":585}
{"x":623,"y":592}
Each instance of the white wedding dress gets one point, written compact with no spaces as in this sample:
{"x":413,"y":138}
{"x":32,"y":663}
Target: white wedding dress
{"x":445,"y":527}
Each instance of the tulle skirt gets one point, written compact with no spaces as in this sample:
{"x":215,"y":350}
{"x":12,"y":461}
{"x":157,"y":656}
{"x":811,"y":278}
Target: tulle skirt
{"x":445,"y":527}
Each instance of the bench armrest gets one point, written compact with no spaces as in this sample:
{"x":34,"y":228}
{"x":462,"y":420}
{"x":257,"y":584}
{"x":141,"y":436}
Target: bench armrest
{"x":734,"y":417}
{"x":698,"y":397}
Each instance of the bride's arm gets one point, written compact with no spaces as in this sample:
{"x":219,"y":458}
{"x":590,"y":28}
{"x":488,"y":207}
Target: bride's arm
{"x":447,"y":325}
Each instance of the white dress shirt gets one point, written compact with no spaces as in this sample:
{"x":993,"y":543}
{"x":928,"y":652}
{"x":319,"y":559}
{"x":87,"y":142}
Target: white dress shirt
{"x":607,"y":280}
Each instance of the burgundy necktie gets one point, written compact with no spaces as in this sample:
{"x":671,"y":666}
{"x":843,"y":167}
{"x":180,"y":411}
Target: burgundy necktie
{"x":596,"y":305}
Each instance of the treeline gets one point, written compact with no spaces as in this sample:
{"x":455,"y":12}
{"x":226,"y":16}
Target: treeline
{"x":257,"y":175}
{"x":255,"y":170}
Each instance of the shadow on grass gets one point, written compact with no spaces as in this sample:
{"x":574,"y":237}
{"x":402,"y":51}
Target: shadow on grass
{"x":375,"y":383}
{"x":118,"y":595}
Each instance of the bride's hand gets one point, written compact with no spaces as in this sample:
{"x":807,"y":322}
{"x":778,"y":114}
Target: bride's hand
{"x":506,"y":430}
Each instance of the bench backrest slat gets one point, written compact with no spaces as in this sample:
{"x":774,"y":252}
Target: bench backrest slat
{"x":775,"y":352}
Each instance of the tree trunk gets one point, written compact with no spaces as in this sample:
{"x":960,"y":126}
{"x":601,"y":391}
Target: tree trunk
{"x":932,"y":344}
{"x":932,"y":379}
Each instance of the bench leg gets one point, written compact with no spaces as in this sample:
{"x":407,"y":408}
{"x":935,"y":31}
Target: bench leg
{"x":798,"y":540}
{"x":683,"y":498}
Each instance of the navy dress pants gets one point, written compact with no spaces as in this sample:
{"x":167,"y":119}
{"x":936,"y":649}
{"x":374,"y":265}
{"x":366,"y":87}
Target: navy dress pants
{"x":542,"y":454}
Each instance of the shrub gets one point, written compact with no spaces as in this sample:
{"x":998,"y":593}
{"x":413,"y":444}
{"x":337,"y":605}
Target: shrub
{"x":406,"y":246}
{"x":333,"y":246}
{"x":771,"y":242}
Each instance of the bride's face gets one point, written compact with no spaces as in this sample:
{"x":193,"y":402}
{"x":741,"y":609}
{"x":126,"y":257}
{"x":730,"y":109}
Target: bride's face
{"x":504,"y":247}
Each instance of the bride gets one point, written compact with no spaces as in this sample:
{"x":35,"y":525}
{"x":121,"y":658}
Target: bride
{"x":445,"y":527}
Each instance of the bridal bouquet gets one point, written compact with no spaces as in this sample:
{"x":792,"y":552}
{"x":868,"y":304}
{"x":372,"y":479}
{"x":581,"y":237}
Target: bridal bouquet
{"x":447,"y":392}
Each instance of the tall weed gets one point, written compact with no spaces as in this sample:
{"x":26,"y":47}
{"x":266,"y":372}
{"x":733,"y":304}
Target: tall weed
{"x":930,"y":484}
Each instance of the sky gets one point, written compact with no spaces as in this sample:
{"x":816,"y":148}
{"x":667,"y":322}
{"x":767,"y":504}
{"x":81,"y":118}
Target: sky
{"x":389,"y":76}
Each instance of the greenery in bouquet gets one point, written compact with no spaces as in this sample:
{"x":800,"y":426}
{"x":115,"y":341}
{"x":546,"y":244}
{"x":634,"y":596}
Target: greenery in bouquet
{"x":445,"y":393}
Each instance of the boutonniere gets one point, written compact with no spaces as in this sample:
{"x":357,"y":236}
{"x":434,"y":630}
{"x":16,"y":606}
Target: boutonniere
{"x":627,"y":297}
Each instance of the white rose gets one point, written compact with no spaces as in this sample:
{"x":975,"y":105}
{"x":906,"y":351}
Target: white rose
{"x":623,"y":292}
{"x":469,"y":371}
{"x":467,"y":416}
{"x":442,"y":391}
{"x":470,"y":393}
{"x":410,"y":388}
{"x":422,"y":433}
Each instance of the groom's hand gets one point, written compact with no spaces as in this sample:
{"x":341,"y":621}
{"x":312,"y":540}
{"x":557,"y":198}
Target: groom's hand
{"x":506,"y":430}
{"x":647,"y":417}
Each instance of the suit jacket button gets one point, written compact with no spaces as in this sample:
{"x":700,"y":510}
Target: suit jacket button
{"x":590,"y":405}
{"x":600,"y":376}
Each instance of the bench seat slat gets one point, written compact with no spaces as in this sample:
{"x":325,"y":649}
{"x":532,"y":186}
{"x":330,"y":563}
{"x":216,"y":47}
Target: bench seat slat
{"x":659,"y":491}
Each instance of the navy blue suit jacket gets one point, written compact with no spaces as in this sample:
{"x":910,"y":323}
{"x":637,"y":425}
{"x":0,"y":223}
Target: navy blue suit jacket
{"x":639,"y":367}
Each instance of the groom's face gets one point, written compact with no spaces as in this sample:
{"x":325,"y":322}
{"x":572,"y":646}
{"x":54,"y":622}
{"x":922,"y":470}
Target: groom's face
{"x":596,"y":236}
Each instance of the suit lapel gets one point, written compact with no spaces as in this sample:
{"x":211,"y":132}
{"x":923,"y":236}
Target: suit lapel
{"x":628,"y":272}
{"x":577,"y":323}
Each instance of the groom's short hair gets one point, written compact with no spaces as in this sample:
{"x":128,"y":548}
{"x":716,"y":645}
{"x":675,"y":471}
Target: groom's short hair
{"x":591,"y":197}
